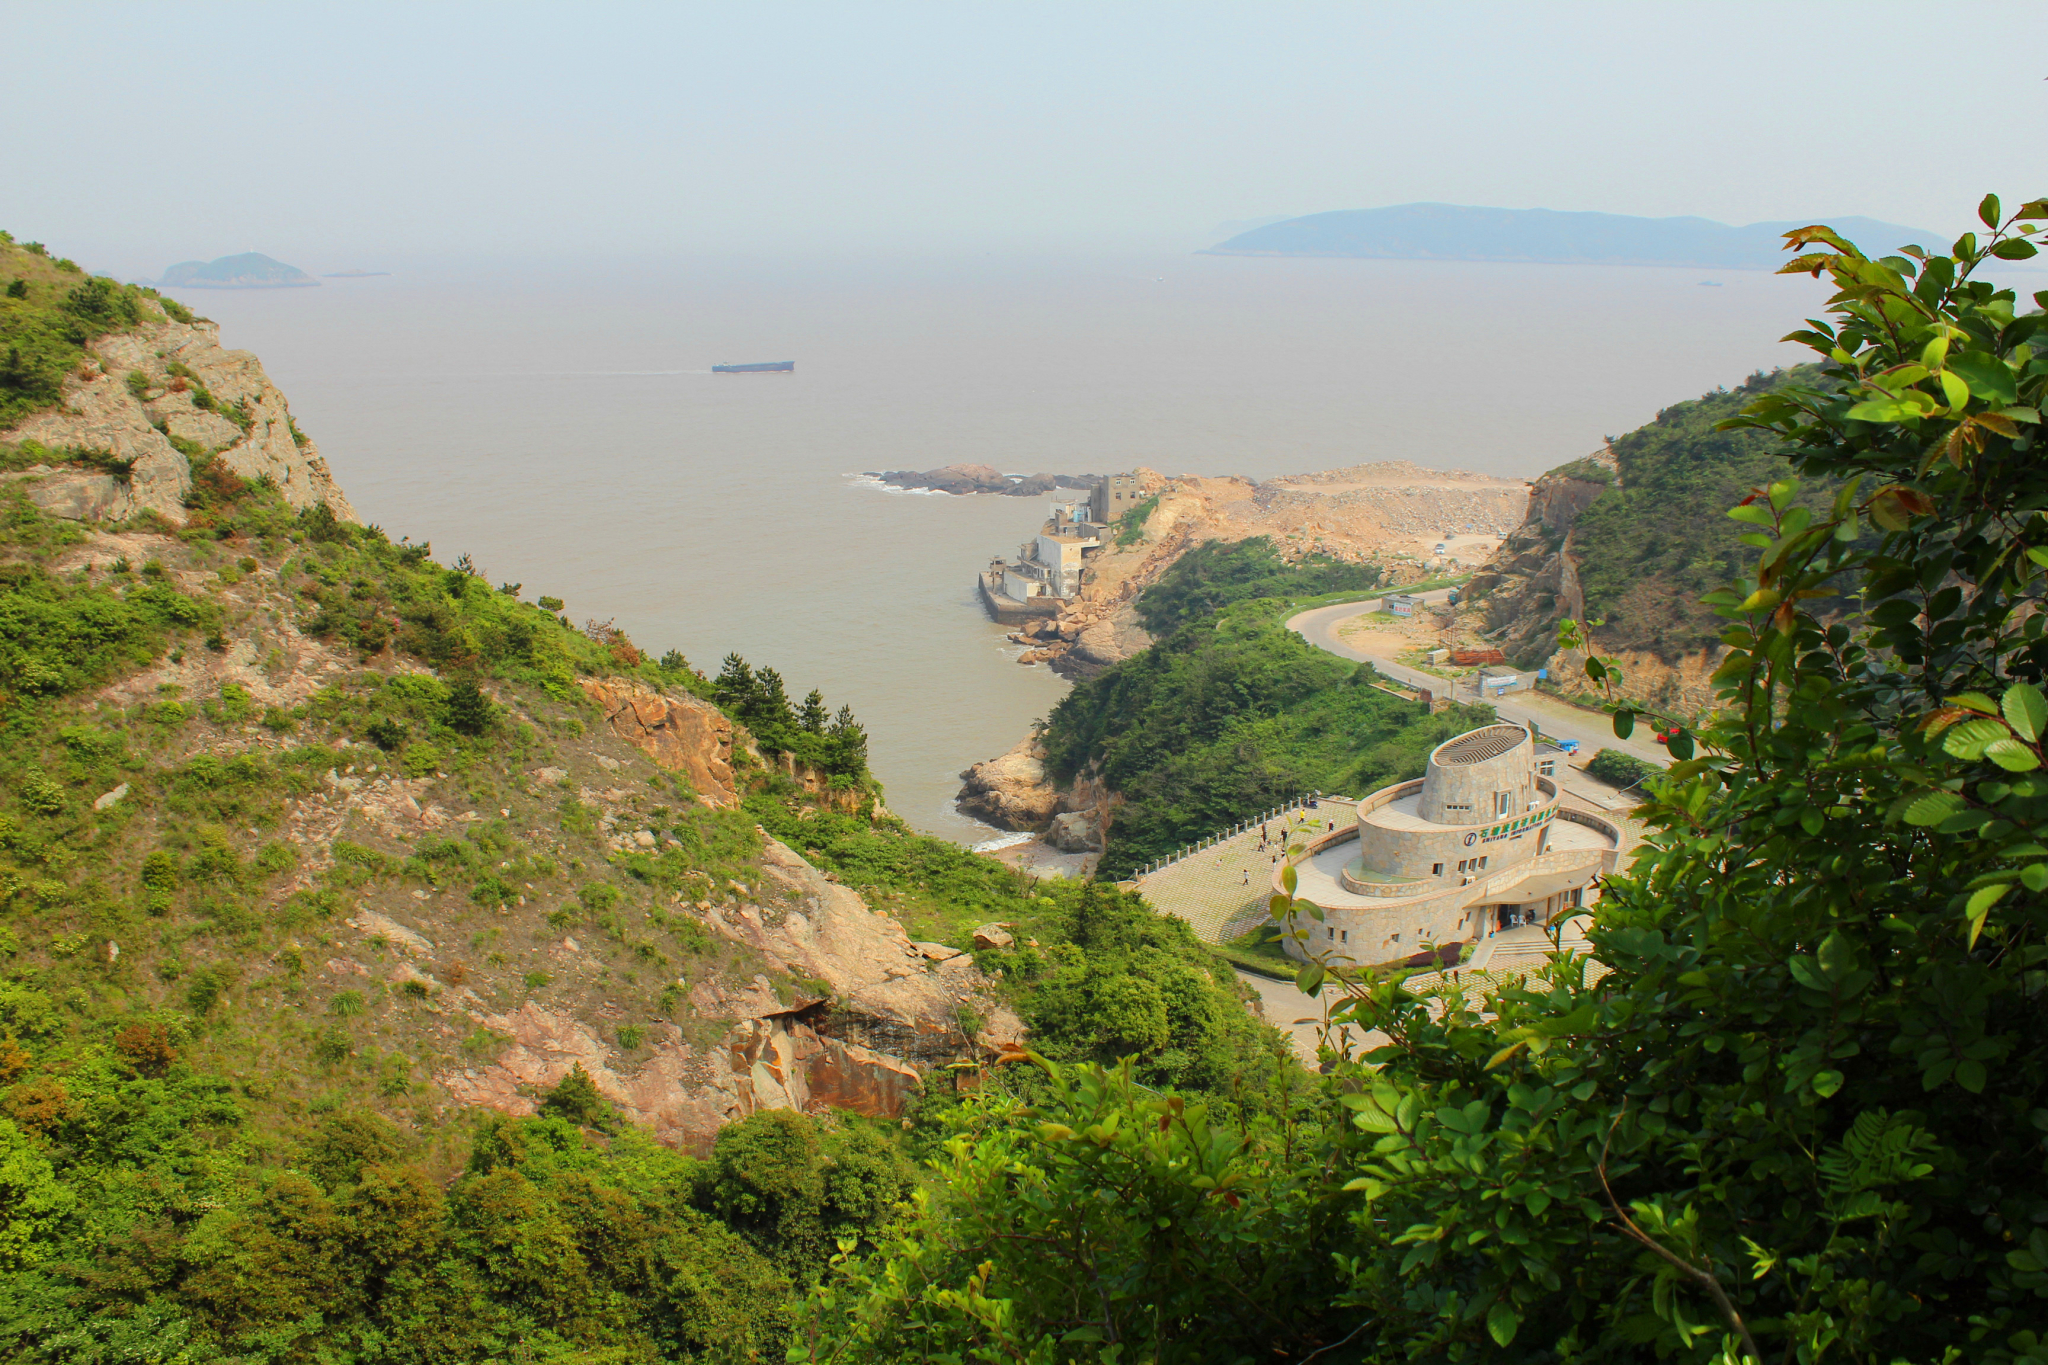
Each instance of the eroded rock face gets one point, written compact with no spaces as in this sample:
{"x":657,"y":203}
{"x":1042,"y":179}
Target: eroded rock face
{"x":681,"y":733}
{"x":866,"y":1049}
{"x":1075,"y":832}
{"x":1104,"y":643}
{"x":100,"y":413}
{"x":1013,"y":791}
{"x":1533,"y":579}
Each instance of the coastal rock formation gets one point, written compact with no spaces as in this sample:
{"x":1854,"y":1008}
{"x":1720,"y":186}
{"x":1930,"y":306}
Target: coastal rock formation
{"x":681,"y":733}
{"x":1075,"y":832}
{"x":1012,"y":791}
{"x":1413,"y":521}
{"x":219,"y":400}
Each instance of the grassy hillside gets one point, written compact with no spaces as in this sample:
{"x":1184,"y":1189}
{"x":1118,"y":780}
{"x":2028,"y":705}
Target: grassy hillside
{"x":1231,"y":712}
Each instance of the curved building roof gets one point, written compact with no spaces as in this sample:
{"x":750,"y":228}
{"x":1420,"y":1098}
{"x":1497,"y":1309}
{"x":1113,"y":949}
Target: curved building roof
{"x":1476,"y":746}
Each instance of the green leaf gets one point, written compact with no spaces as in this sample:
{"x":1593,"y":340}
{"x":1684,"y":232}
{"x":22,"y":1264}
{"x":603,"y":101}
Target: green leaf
{"x":1987,"y":212}
{"x":1974,"y":701}
{"x":2018,"y":249}
{"x":1753,"y":514}
{"x":1978,"y":908}
{"x":1970,"y":739}
{"x":1989,"y":377}
{"x":1933,"y":808}
{"x":1680,"y":746}
{"x":1624,"y":724}
{"x":1970,"y":1075}
{"x":1501,"y":1322}
{"x":2025,"y":710}
{"x":1826,"y":1083}
{"x":1310,"y":978}
{"x":2012,"y":756}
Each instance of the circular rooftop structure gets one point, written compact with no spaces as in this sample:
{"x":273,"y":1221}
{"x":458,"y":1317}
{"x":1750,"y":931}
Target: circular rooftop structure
{"x":1479,"y":776}
{"x":1476,"y":746}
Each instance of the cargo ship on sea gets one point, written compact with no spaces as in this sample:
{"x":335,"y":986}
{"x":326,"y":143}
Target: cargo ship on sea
{"x":763,"y":367}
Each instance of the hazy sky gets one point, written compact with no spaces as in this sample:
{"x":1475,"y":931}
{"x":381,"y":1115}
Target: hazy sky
{"x":342,"y":135}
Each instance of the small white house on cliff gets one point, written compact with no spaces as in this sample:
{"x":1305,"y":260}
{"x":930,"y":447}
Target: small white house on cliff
{"x":1477,"y":844}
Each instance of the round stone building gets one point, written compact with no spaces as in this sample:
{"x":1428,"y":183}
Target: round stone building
{"x":1479,"y":843}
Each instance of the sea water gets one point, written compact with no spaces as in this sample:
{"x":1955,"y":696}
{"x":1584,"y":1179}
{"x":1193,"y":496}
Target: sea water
{"x":560,"y":425}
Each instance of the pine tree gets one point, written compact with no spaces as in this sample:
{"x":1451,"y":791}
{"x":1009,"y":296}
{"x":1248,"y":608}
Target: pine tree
{"x":813,"y":715}
{"x":734,"y":688}
{"x":771,"y":702}
{"x":848,"y":750}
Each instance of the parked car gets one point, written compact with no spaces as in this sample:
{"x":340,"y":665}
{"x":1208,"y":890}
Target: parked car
{"x":1666,"y":736}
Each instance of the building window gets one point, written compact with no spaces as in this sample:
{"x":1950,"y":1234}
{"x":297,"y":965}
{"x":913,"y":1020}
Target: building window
{"x":1482,"y":864}
{"x":1331,"y":932}
{"x":1346,"y":937}
{"x":1397,"y":938}
{"x":1436,"y":869}
{"x":1450,"y":809}
{"x":1503,"y":803}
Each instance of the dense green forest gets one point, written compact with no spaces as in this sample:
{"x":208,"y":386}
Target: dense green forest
{"x":1230,"y":713}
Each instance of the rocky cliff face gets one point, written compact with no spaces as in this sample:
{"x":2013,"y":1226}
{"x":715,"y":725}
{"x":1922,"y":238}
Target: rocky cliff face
{"x":1533,"y":582}
{"x":680,"y":733}
{"x":192,"y":393}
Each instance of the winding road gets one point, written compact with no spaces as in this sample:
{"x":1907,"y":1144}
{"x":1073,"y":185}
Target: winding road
{"x":1558,"y":719}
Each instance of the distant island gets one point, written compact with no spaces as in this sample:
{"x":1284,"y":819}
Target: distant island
{"x":980,"y":478}
{"x":1455,"y":232}
{"x":249,"y":270}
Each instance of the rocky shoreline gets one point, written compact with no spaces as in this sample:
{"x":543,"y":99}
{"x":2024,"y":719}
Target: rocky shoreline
{"x":962,"y":479}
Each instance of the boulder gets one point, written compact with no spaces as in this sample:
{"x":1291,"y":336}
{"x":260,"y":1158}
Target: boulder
{"x":1011,"y":792}
{"x":988,"y":936}
{"x":1075,"y":832}
{"x":936,"y":952}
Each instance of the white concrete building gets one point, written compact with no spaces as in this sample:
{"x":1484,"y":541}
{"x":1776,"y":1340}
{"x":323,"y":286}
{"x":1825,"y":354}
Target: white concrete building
{"x":1477,"y":844}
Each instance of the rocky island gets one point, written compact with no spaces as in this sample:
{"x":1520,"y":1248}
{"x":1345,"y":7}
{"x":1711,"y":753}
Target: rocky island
{"x":247,"y":270}
{"x":963,"y":479}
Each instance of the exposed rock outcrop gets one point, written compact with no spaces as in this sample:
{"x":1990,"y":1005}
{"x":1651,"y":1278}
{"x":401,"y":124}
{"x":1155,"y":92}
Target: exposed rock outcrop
{"x":681,"y":733}
{"x":1533,"y":581}
{"x":893,"y":1013}
{"x":101,"y":413}
{"x":1075,"y":832}
{"x":1012,"y":791}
